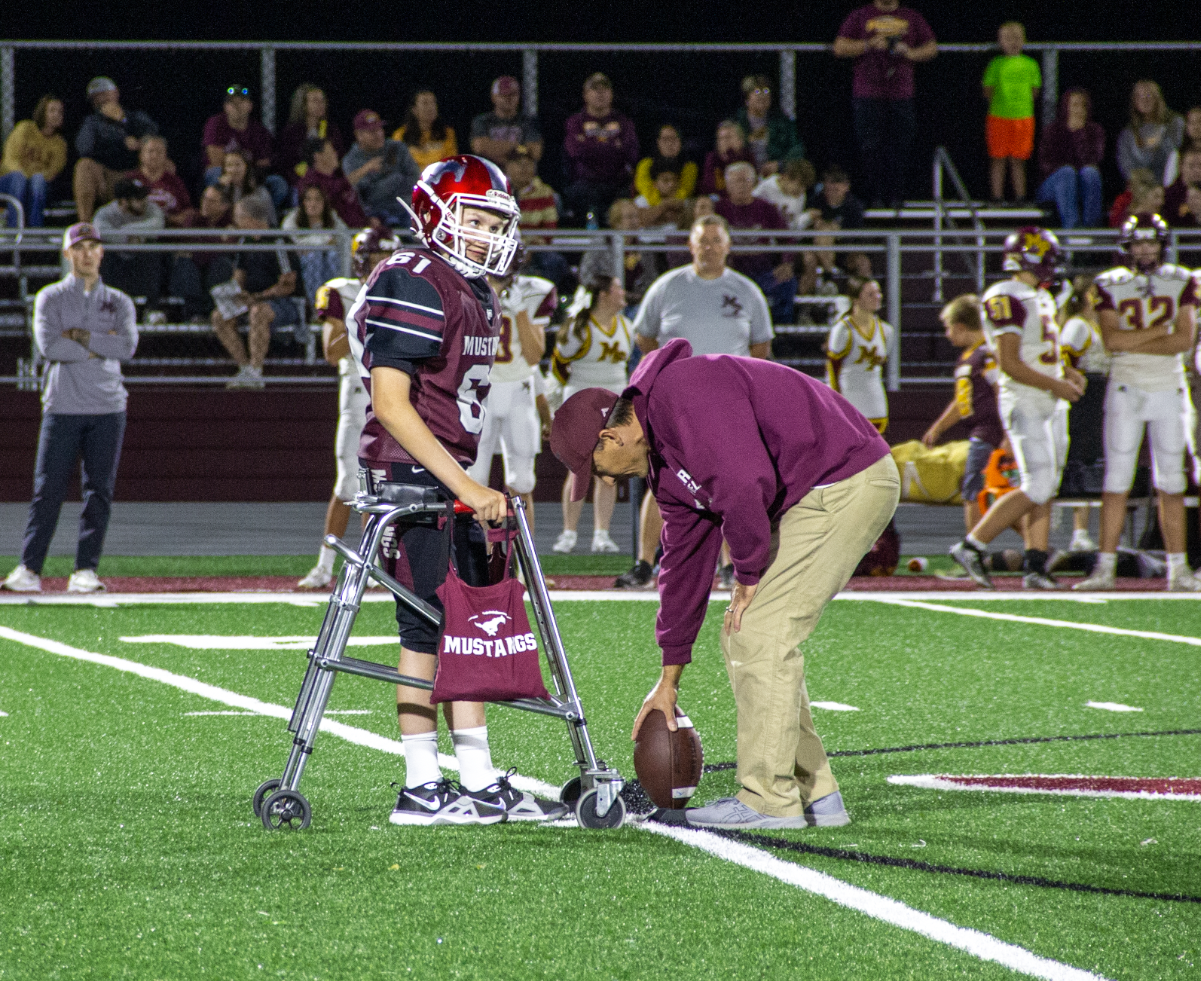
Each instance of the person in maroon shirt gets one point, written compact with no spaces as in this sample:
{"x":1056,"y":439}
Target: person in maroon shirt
{"x":801,"y":485}
{"x":886,"y":40}
{"x":1069,"y":155}
{"x":602,"y":149}
{"x":166,"y":189}
{"x":324,"y":170}
{"x":232,"y":130}
{"x":773,"y":273}
{"x":1178,"y":210}
{"x":729,"y":147}
{"x":308,"y":118}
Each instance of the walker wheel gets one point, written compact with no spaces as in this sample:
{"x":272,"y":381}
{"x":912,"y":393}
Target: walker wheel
{"x":585,"y":813}
{"x":266,"y":789}
{"x":286,"y":809}
{"x":571,"y":790}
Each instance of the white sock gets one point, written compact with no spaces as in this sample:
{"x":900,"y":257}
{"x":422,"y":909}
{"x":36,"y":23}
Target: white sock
{"x":325,"y":558}
{"x":975,"y":542}
{"x":1107,"y":563}
{"x":1177,"y":565}
{"x":475,"y":759}
{"x":421,"y":759}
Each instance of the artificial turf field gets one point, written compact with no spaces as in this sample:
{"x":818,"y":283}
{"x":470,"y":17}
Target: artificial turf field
{"x":128,"y":847}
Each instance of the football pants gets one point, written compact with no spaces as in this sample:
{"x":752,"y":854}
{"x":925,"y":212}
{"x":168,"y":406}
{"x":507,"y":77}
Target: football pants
{"x":1167,"y":416}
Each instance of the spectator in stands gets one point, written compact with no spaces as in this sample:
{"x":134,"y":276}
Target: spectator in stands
{"x":166,"y":189}
{"x":498,"y":133}
{"x":319,"y":259}
{"x":108,"y":144}
{"x":308,"y":119}
{"x":729,"y":148}
{"x":1177,"y":209}
{"x":1011,"y":84}
{"x":641,"y":268}
{"x":669,"y":152}
{"x":770,"y":135}
{"x":664,"y":206}
{"x":835,"y":208}
{"x":238,"y":174}
{"x":1191,"y":138}
{"x":886,"y":40}
{"x":83,"y":328}
{"x":1153,"y":133}
{"x":380,"y":170}
{"x":196,"y":271}
{"x":34,"y":154}
{"x":602,"y":149}
{"x":1069,"y":155}
{"x":130,"y":217}
{"x":425,"y":132}
{"x":323,"y":170}
{"x":268,"y":281}
{"x":772,"y":272}
{"x":538,"y":211}
{"x":1143,"y":193}
{"x":788,"y":191}
{"x":233,"y":129}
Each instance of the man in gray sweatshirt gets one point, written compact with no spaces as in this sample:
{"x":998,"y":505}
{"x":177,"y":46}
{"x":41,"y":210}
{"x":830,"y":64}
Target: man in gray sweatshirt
{"x":84,"y":330}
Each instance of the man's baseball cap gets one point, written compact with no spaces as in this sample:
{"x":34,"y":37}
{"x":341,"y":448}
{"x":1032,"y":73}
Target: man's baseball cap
{"x":130,"y":188}
{"x":367,"y":119}
{"x":236,"y":91}
{"x":598,"y":80}
{"x":81,"y":231}
{"x":506,"y":85}
{"x":574,"y":432}
{"x":99,"y":85}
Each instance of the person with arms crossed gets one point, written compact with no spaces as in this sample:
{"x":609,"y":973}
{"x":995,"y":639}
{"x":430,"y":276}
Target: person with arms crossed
{"x":1033,"y":391}
{"x":857,"y":351}
{"x":800,"y":484}
{"x":1148,"y":316}
{"x":424,"y":331}
{"x":367,"y":250}
{"x":84,"y":330}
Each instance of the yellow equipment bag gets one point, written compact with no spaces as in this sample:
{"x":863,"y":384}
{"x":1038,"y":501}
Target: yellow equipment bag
{"x":931,"y":476}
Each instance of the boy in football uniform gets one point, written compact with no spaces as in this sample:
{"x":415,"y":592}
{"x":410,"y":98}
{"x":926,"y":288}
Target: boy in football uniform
{"x":512,"y":424}
{"x":1033,"y":390}
{"x":1148,"y":315}
{"x":425,"y":330}
{"x":367,"y":250}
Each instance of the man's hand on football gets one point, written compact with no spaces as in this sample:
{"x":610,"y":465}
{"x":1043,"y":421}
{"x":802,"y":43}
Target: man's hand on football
{"x":662,"y":697}
{"x":740,"y":599}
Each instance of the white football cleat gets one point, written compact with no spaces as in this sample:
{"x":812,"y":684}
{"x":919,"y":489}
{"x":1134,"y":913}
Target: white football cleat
{"x":601,"y":542}
{"x":1098,"y":581}
{"x":565,"y":543}
{"x":1186,"y":582}
{"x":21,"y":580}
{"x":84,"y":581}
{"x":318,"y":577}
{"x":1081,"y":542}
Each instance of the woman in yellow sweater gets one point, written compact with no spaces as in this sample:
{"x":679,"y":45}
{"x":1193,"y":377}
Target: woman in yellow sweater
{"x":429,"y":138}
{"x":34,"y":154}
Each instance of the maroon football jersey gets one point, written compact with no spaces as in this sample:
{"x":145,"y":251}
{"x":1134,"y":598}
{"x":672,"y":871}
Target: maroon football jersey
{"x":420,"y":316}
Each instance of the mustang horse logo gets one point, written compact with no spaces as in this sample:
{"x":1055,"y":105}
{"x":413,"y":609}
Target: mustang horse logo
{"x":490,"y":621}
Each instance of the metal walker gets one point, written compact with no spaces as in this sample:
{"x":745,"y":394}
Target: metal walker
{"x":595,"y":793}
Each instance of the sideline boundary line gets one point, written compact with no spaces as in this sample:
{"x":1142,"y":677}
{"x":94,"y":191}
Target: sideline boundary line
{"x":980,"y":945}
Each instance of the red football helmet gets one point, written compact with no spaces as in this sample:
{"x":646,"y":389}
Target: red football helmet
{"x":366,"y":242}
{"x":466,"y":181}
{"x":1033,"y":249}
{"x":1144,"y":227}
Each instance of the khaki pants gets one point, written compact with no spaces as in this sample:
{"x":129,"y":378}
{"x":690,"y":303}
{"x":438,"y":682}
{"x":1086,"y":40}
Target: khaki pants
{"x":781,"y":762}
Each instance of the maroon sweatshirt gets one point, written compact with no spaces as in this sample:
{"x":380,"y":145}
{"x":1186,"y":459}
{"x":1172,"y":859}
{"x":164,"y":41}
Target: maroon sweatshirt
{"x":734,"y":443}
{"x":1063,"y":147}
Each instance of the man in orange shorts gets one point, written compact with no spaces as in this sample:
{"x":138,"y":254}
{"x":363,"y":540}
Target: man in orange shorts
{"x":1011,"y":84}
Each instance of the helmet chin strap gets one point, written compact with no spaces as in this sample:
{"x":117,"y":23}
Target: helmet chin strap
{"x":415,"y":228}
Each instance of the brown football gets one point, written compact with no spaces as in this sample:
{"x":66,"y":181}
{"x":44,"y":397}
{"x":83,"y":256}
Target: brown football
{"x":668,"y":763}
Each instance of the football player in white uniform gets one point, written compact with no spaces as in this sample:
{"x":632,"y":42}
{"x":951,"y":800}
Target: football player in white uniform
{"x":857,"y":350}
{"x":368,"y":249}
{"x":1148,"y":313}
{"x":1033,"y":390}
{"x":512,"y":424}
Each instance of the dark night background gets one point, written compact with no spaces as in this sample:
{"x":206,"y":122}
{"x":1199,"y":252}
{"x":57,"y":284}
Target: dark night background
{"x":180,"y":89}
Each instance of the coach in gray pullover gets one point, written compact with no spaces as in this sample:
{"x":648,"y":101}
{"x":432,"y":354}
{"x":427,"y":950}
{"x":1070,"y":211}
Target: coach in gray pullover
{"x":84,"y":330}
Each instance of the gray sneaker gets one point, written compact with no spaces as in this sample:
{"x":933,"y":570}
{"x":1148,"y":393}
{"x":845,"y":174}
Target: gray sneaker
{"x":827,"y":812}
{"x":972,"y":562}
{"x":1037,"y":580}
{"x":728,"y":812}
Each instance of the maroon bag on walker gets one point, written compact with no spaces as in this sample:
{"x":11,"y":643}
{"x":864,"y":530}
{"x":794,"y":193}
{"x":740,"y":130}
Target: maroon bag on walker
{"x":486,"y":652}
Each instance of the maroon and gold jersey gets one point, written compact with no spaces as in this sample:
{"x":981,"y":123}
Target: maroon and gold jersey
{"x":418,"y":315}
{"x":976,"y":395}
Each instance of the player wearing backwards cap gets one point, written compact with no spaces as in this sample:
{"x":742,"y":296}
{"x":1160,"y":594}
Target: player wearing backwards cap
{"x":800,"y":484}
{"x":367,"y":250}
{"x":424,"y":331}
{"x":1148,"y":314}
{"x":1032,"y":394}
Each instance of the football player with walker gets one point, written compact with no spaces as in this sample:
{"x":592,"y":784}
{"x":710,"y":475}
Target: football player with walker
{"x":800,"y":485}
{"x":1148,"y":315}
{"x":1034,"y":389}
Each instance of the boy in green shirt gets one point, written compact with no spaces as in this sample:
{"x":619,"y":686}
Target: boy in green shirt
{"x":1011,"y":84}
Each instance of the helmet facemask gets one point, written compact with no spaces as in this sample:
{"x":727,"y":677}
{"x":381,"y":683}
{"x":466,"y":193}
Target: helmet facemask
{"x":452,"y":238}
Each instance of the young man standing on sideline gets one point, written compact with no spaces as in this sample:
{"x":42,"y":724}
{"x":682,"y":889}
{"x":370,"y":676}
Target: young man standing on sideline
{"x":800,"y":484}
{"x":83,"y":329}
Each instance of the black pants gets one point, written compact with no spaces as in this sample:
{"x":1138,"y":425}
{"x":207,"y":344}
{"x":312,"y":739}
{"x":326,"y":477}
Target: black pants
{"x":63,"y":440}
{"x":884,"y":129}
{"x":191,"y":282}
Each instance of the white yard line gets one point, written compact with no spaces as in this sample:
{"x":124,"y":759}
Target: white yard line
{"x":974,"y":942}
{"x":1094,"y":628}
{"x":933,"y":781}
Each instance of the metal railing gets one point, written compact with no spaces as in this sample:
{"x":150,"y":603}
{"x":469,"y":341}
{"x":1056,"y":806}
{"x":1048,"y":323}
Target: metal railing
{"x":944,"y":166}
{"x":267,"y":50}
